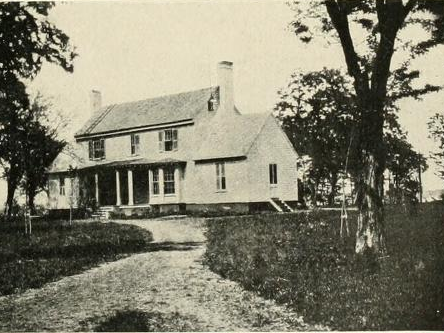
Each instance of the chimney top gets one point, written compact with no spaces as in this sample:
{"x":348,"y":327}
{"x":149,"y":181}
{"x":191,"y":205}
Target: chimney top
{"x":226,"y":63}
{"x":226,"y":91}
{"x":95,"y":100}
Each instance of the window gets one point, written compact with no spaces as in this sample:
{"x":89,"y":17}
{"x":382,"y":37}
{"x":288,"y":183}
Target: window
{"x":135,"y":140}
{"x":156,"y":189}
{"x":62,"y":185}
{"x":220,"y":177}
{"x":97,"y":149}
{"x":273,"y":174}
{"x":168,"y":140}
{"x":168,"y":181}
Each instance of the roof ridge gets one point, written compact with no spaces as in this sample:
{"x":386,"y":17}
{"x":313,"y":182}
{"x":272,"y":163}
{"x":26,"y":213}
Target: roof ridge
{"x":167,"y":95}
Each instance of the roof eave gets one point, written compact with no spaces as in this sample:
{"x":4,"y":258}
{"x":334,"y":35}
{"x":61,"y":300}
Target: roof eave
{"x":86,"y":136}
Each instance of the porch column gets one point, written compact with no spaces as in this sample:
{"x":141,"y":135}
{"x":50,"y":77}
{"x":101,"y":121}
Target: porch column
{"x":161,"y":192}
{"x":96,"y":180}
{"x":118,"y":199}
{"x":177,"y":182}
{"x":130,"y":188}
{"x":150,"y":184}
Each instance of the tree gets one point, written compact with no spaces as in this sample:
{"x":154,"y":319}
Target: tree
{"x":28,"y":39}
{"x":404,"y":164}
{"x":40,"y":147}
{"x":436,"y":128}
{"x":368,"y":63}
{"x":12,"y":111}
{"x":316,"y":110}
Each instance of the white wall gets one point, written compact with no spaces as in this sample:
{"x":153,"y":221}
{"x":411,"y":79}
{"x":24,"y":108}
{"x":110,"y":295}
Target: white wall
{"x":272,"y":147}
{"x":201,"y":183}
{"x":119,"y":147}
{"x":57,"y":201}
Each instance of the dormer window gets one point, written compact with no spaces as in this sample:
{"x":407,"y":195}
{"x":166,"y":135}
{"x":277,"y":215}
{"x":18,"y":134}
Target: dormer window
{"x":97,"y":149}
{"x":212,"y":103}
{"x":135,"y":144}
{"x":168,"y":140}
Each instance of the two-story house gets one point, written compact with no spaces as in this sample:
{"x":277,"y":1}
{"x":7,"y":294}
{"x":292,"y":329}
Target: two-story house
{"x":187,"y":151}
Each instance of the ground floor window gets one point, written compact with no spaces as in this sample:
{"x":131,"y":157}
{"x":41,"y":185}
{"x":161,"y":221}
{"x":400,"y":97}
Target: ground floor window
{"x":168,"y":181}
{"x":62,"y":185}
{"x":273,"y":174}
{"x":156,"y":189}
{"x":220,"y":177}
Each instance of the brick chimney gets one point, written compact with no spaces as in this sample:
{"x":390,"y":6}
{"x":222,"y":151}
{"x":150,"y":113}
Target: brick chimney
{"x":95,"y":98}
{"x":225,"y":82}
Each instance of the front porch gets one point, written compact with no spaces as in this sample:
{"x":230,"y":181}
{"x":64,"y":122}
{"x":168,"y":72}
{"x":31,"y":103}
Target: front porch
{"x":131,"y":187}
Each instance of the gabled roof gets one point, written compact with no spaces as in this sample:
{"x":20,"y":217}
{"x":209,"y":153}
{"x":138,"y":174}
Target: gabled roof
{"x":148,"y":112}
{"x":229,"y":137}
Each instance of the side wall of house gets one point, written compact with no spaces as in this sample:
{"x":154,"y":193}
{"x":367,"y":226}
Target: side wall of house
{"x":272,"y":147}
{"x":201,"y":183}
{"x":66,"y":198}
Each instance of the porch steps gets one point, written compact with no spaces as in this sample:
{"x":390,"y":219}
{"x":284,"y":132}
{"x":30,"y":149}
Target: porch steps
{"x":102,"y":213}
{"x":280,"y":205}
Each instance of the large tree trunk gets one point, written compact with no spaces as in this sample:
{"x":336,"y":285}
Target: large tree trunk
{"x":31,"y":203}
{"x":370,"y":229}
{"x":12,"y":186}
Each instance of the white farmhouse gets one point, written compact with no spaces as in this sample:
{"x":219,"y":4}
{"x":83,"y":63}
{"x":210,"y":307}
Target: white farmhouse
{"x":182,"y":152}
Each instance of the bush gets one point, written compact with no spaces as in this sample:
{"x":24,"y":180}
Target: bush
{"x":57,"y":249}
{"x":299,"y":260}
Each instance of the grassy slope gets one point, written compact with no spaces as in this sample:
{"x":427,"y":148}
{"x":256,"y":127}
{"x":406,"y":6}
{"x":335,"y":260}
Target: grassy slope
{"x":298,"y":260}
{"x":56,"y":249}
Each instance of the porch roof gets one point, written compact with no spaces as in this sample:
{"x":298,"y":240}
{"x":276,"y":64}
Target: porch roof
{"x":132,"y":162}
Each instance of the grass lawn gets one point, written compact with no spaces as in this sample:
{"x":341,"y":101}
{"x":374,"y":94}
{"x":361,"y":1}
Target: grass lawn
{"x":299,"y":260}
{"x":56,"y":249}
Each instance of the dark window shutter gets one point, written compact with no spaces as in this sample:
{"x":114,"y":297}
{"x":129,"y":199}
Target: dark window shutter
{"x":161,"y":146}
{"x":91,"y":149}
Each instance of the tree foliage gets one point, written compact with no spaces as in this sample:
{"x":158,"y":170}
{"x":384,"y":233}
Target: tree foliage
{"x":27,"y":40}
{"x":436,"y":128}
{"x":318,"y":112}
{"x":40,"y":147}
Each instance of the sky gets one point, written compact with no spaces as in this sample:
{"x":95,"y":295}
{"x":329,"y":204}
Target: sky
{"x":135,"y":50}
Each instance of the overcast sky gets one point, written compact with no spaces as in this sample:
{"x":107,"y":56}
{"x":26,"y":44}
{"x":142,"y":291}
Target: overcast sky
{"x":135,"y":50}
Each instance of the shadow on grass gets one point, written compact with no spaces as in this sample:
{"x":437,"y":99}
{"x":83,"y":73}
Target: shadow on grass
{"x":139,"y":321}
{"x":173,"y":246}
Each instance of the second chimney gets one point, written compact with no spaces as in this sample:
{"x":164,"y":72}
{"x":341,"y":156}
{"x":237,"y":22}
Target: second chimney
{"x":95,"y":100}
{"x":225,"y":81}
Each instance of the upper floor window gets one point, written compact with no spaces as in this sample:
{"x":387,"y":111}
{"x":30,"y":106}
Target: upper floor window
{"x":273,"y":174}
{"x":97,"y":149}
{"x":156,"y":189}
{"x":221,"y":183}
{"x":135,"y":144}
{"x":168,"y":181}
{"x":62,"y":185}
{"x":168,"y":140}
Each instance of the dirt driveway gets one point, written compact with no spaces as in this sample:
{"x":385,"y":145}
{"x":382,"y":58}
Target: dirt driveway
{"x":169,"y":282}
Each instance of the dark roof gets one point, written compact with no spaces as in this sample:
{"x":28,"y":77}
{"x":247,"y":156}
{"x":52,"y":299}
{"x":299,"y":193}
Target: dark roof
{"x":148,"y":112}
